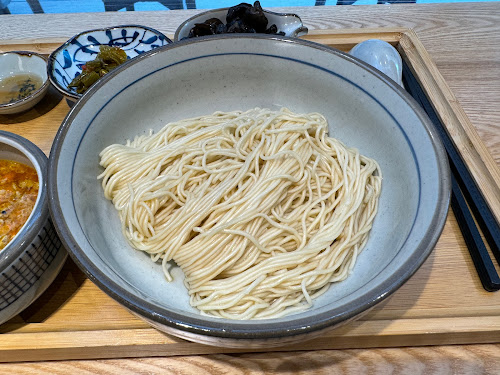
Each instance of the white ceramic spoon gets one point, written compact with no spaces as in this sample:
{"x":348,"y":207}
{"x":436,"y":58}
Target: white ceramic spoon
{"x":382,"y":56}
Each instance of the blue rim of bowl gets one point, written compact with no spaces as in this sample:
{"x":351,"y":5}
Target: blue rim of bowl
{"x":301,"y":29}
{"x":52,"y":56}
{"x":33,"y":94}
{"x":267,"y":329}
{"x":40,"y":212}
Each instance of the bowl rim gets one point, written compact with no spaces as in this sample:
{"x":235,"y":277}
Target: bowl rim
{"x":301,"y":29}
{"x":268,"y":329}
{"x":52,"y":57}
{"x":35,"y":93}
{"x":40,"y":213}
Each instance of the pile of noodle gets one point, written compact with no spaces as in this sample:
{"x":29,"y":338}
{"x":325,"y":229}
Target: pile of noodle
{"x":261,"y":210}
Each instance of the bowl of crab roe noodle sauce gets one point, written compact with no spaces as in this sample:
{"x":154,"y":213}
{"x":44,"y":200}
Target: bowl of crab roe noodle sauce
{"x":31,"y":253}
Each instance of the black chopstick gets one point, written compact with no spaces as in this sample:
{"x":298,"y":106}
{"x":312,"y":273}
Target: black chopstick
{"x":467,"y":189}
{"x":478,"y":252}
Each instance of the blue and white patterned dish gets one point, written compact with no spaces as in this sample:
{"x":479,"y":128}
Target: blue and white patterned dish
{"x":66,"y":62}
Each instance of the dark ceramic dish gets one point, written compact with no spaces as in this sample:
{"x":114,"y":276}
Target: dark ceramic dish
{"x":33,"y":258}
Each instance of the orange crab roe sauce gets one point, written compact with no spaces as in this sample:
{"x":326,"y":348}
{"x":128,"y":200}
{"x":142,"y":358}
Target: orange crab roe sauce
{"x":18,"y":193}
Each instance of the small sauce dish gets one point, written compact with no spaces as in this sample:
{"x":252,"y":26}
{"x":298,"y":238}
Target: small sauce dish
{"x":23,"y":81}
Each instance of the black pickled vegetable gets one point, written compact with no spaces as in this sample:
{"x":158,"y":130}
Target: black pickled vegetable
{"x":239,"y":26}
{"x":251,"y":17}
{"x":242,"y":18}
{"x":106,"y":60}
{"x":214,"y":24}
{"x":209,"y":27}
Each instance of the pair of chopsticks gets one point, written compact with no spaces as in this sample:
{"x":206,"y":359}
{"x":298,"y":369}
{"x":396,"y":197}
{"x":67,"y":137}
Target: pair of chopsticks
{"x":467,"y":201}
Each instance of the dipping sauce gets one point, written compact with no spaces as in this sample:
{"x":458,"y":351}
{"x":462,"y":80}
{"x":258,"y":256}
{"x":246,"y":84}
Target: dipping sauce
{"x":18,"y":193}
{"x":19,"y":86}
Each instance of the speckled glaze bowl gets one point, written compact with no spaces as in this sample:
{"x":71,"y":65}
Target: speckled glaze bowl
{"x":66,"y":62}
{"x":23,"y":62}
{"x":289,"y":23}
{"x":33,"y":258}
{"x":197,"y":76}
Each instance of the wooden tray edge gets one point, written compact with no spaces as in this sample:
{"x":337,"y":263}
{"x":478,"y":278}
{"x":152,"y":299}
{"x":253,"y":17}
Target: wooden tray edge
{"x":149,"y":342}
{"x":388,"y":333}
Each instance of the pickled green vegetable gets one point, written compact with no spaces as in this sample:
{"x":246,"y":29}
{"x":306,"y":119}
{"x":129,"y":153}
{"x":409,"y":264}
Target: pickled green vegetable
{"x":106,"y":60}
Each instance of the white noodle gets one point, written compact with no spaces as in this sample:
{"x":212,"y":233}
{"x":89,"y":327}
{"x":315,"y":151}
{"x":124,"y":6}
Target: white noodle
{"x":260,"y":209}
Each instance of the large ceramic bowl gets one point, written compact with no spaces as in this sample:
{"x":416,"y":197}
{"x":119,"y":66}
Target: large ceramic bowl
{"x":198,"y":76}
{"x":66,"y":62}
{"x":33,"y":258}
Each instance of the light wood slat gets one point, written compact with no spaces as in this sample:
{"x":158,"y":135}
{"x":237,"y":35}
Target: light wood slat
{"x":344,"y":39}
{"x":43,"y":46}
{"x":150,"y":342}
{"x":74,"y":319}
{"x":464,"y":360}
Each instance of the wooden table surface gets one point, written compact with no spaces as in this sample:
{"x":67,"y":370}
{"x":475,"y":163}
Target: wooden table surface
{"x":463,"y":39}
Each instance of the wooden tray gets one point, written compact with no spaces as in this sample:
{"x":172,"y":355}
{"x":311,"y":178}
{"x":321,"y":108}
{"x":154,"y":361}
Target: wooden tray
{"x":443,"y":303}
